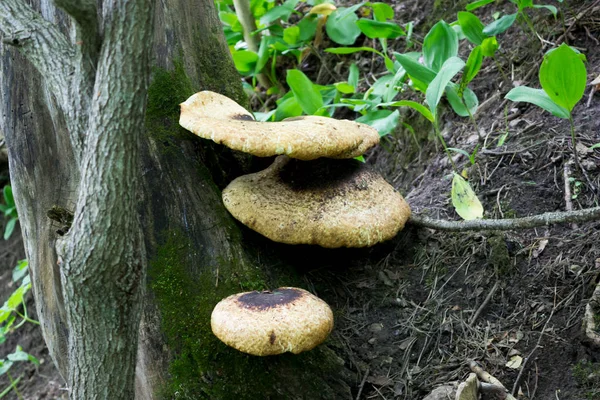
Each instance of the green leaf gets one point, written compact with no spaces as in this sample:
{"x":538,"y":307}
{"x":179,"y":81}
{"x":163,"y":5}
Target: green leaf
{"x":414,"y":69}
{"x":10,"y":227}
{"x":424,"y":111}
{"x":464,"y":199}
{"x":472,"y":27}
{"x":341,"y":25}
{"x":440,"y":44}
{"x":489,"y":46}
{"x":552,"y":9}
{"x":351,"y":50}
{"x":230,"y":19}
{"x":308,"y":28}
{"x":16,"y":298}
{"x":500,"y":25}
{"x":20,"y":270}
{"x":308,"y":97}
{"x":382,"y":11}
{"x":456,"y":102}
{"x":264,"y":52}
{"x":344,"y":87}
{"x":8,"y":196}
{"x":20,"y":355}
{"x":353,"y":75}
{"x":476,"y":4}
{"x":291,"y":34}
{"x":436,"y":88}
{"x":245,"y":61}
{"x":563,"y":76}
{"x":385,"y":121}
{"x":539,"y":98}
{"x":473,"y":66}
{"x":393,"y":87}
{"x":377,"y":29}
{"x":5,"y":312}
{"x":282,"y":12}
{"x":5,"y":366}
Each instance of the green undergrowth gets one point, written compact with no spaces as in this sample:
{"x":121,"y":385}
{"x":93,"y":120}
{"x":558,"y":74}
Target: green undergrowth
{"x":202,"y":366}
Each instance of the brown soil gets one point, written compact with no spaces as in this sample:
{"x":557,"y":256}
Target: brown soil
{"x":411,"y":313}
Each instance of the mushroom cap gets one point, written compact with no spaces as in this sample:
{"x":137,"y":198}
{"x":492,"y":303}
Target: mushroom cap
{"x":216,"y":117}
{"x":331,"y":203}
{"x":269,"y":323}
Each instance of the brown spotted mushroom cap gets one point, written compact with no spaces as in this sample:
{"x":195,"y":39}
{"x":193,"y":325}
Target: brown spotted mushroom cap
{"x":331,"y":203}
{"x":216,"y":117}
{"x":268,"y":323}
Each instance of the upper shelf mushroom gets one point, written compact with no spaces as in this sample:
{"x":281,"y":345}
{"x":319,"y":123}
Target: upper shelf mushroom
{"x":272,"y":322}
{"x":331,"y":203}
{"x":216,"y":117}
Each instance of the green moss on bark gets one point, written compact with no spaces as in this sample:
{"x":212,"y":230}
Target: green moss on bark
{"x":203,"y":367}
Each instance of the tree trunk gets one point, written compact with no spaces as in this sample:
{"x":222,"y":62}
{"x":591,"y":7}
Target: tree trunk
{"x":194,"y":249}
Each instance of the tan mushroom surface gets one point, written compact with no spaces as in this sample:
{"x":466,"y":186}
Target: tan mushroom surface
{"x":331,"y":203}
{"x":218,"y":118}
{"x":272,"y":322}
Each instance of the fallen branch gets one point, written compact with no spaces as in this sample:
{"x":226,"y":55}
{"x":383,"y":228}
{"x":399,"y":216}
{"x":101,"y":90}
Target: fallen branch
{"x":488,"y":378}
{"x":534,"y":221}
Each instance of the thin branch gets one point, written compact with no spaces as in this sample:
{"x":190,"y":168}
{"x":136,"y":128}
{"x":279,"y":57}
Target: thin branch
{"x":41,"y":43}
{"x":534,"y":221}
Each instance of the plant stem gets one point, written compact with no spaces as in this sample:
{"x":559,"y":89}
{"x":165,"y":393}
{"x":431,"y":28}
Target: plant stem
{"x":574,"y":145}
{"x":439,"y":135}
{"x":528,"y":22}
{"x":500,"y":69}
{"x":14,"y":383}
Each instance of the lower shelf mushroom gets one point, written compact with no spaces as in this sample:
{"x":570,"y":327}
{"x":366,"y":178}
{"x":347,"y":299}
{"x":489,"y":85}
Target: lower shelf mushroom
{"x":272,"y":322}
{"x":331,"y":203}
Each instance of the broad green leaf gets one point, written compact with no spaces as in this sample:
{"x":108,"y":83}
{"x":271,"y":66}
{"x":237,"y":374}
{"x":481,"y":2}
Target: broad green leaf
{"x":5,"y":312}
{"x":439,"y":44}
{"x":308,"y":28}
{"x":382,"y":11}
{"x":381,"y":85}
{"x":344,"y":87}
{"x":245,"y":61}
{"x":264,"y":52}
{"x":230,"y":19}
{"x":20,"y":355}
{"x":16,"y":298}
{"x":414,"y":69}
{"x":424,"y":111}
{"x":10,"y":227}
{"x":476,"y":4}
{"x":341,"y":25}
{"x":500,"y":25}
{"x":304,"y":91}
{"x":489,"y":46}
{"x":392,"y":89}
{"x":436,"y":88}
{"x":539,"y":98}
{"x":563,"y":76}
{"x":287,"y":108}
{"x":282,"y":12}
{"x":20,"y":270}
{"x":377,"y":29}
{"x":458,"y":104}
{"x":464,"y":199}
{"x":5,"y":366}
{"x":472,"y":27}
{"x":552,"y":9}
{"x":8,"y":195}
{"x":351,"y":50}
{"x":385,"y":121}
{"x":291,"y":34}
{"x":353,"y":75}
{"x":473,"y":65}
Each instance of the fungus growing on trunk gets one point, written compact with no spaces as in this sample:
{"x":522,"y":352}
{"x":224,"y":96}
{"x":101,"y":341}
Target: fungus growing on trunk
{"x":272,"y":322}
{"x":331,"y":203}
{"x":218,"y":118}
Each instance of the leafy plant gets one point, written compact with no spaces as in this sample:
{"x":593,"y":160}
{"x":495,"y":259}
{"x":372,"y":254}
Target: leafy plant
{"x":563,"y":79}
{"x":9,"y":313}
{"x":10,"y":211}
{"x":502,"y":24}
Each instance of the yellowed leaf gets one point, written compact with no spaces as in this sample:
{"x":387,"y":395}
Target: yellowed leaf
{"x":464,"y":200}
{"x":515,"y":362}
{"x":323,"y":9}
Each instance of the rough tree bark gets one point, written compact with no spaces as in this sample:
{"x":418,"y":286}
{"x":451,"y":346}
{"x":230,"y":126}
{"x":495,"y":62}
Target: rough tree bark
{"x":72,"y":125}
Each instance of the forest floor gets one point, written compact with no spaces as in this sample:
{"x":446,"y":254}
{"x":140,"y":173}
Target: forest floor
{"x":412,"y":313}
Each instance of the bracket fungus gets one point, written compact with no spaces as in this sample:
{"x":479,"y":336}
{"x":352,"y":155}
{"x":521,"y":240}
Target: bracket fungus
{"x":331,"y":203}
{"x":268,"y":323}
{"x":213,"y":116}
